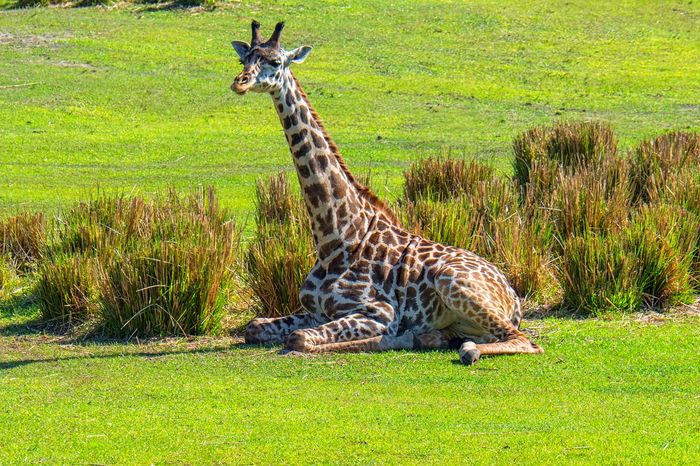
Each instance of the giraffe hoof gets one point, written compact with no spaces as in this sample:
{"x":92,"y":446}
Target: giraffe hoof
{"x":298,"y":341}
{"x":254,"y":331}
{"x":468,"y":353}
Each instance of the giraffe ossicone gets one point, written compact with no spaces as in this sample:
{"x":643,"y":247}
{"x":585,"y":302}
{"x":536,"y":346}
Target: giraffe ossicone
{"x":375,"y":286}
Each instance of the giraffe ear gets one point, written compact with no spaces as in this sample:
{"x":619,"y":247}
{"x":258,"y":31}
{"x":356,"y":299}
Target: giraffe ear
{"x":241,"y":48}
{"x":299,"y":54}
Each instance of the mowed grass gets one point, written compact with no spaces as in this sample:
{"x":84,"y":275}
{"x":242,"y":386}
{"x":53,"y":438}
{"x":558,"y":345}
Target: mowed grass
{"x":619,"y":391}
{"x":135,"y":100}
{"x":131,"y":100}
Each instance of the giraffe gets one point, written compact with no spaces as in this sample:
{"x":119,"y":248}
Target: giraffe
{"x":375,"y":285}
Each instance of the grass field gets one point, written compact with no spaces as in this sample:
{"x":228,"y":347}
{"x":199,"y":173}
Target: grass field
{"x":130,"y":99}
{"x":611,"y":392}
{"x":134,"y":100}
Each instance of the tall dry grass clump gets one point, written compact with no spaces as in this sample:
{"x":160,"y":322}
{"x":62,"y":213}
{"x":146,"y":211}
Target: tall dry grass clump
{"x":614,"y":232}
{"x":141,"y":267}
{"x":441,"y":179}
{"x":282,"y":251}
{"x":566,"y":144}
{"x":657,"y":162}
{"x":599,"y":274}
{"x":66,"y":289}
{"x":591,"y":198}
{"x":166,"y":274}
{"x":22,"y":238}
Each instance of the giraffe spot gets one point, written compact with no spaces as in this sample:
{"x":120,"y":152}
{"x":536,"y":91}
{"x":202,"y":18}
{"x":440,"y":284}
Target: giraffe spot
{"x":319,"y":273}
{"x":298,"y":137}
{"x":317,"y":194}
{"x":303,"y":150}
{"x":358,"y":223}
{"x":280,"y":108}
{"x":419,"y":318}
{"x":378,"y":273}
{"x":338,"y":184}
{"x":328,"y":247}
{"x":388,"y":238}
{"x":288,"y":99}
{"x":303,"y":114}
{"x":322,"y":162}
{"x":326,"y":222}
{"x":308,"y":301}
{"x":350,"y":230}
{"x":389,"y":281}
{"x":319,"y":140}
{"x":380,"y":252}
{"x":393,"y":256}
{"x":342,"y":210}
{"x":368,"y":252}
{"x":304,"y":171}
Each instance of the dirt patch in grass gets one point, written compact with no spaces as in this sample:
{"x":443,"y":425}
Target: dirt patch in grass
{"x":33,"y":40}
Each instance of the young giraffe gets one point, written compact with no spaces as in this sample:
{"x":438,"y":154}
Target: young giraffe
{"x":375,"y":285}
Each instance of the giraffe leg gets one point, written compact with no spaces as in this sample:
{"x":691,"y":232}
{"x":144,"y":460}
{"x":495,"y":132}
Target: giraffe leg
{"x":276,"y":330}
{"x":366,"y":331}
{"x":484,"y":318}
{"x":434,"y":339}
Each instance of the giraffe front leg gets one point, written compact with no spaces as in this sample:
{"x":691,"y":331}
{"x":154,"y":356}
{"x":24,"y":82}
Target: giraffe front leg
{"x":359,"y":332}
{"x":270,"y":331}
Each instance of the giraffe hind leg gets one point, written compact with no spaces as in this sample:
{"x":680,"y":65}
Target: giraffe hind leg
{"x":470,"y":352}
{"x":484,"y":317}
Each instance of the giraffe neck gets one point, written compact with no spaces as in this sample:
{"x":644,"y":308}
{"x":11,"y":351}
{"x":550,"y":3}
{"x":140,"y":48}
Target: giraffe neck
{"x":340,"y":215}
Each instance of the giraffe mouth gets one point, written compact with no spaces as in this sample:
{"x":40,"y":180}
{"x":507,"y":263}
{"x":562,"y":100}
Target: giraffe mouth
{"x":239,"y":89}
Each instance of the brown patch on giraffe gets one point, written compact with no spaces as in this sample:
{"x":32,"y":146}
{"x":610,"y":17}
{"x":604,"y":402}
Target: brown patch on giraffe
{"x":318,"y":139}
{"x":303,"y":114}
{"x":327,"y":248}
{"x":338,"y":185}
{"x":303,"y":150}
{"x":322,"y":162}
{"x":298,"y":137}
{"x":342,"y":210}
{"x":317,"y":194}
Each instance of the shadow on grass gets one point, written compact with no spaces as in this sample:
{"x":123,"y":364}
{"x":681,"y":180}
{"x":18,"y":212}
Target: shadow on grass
{"x":146,"y":354}
{"x":21,"y":306}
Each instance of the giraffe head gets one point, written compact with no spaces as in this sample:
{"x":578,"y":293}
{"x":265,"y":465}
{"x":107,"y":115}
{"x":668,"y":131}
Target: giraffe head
{"x":265,"y":63}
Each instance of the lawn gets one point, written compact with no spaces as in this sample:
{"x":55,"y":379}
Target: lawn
{"x":132,"y":100}
{"x":622,"y":391}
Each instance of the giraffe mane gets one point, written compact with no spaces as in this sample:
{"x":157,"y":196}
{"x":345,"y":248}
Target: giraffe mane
{"x":364,"y":191}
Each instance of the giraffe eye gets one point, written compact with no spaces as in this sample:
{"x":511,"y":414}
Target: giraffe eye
{"x":275,"y":62}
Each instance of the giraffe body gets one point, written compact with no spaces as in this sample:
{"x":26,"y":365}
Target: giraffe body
{"x":375,"y":285}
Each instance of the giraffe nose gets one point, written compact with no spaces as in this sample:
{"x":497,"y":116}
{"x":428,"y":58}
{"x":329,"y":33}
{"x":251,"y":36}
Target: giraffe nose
{"x":242,"y":83}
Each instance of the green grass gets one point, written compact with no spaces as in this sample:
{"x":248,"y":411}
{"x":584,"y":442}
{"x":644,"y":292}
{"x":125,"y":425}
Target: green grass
{"x":618,"y":391}
{"x":131,"y":99}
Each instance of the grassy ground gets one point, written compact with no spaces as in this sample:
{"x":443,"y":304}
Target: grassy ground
{"x":620,"y":391}
{"x":129,"y":99}
{"x":132,"y":99}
